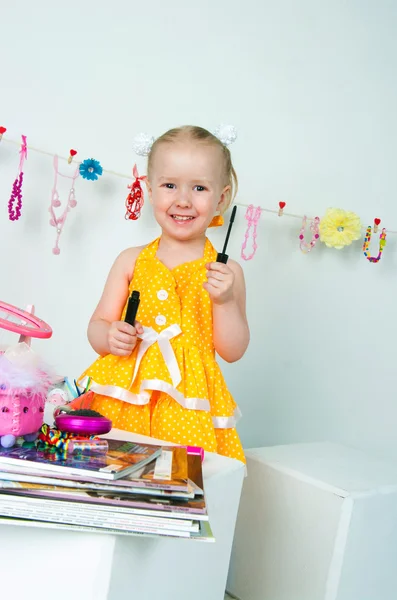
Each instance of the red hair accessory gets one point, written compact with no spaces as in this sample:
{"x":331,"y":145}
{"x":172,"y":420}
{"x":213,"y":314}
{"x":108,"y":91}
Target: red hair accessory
{"x":135,"y":198}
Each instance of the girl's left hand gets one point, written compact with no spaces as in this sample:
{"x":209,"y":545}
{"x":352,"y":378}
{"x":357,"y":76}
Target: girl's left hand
{"x":219,"y":284}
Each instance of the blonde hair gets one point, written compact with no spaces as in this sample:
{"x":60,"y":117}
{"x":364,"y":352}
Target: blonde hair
{"x":199,"y":134}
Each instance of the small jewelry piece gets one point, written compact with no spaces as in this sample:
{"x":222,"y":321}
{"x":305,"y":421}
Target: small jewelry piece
{"x":56,"y":203}
{"x":253,"y":219}
{"x":2,"y":132}
{"x":135,"y":198}
{"x":14,"y":212}
{"x":281,"y":209}
{"x":72,"y":153}
{"x":367,"y":240}
{"x":314,"y":228}
{"x":90,"y":169}
{"x":376,"y":225}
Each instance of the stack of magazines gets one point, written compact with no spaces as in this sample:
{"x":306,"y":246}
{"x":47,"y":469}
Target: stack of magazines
{"x":128,"y":489}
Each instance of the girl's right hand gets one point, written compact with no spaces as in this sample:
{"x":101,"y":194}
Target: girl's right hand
{"x":123,"y":337}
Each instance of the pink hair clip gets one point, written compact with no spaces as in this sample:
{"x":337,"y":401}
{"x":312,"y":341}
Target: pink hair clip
{"x":55,"y":221}
{"x":252,"y":218}
{"x":15,"y":201}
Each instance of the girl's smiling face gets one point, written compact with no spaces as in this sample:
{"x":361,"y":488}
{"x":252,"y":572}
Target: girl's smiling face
{"x":186,"y":186}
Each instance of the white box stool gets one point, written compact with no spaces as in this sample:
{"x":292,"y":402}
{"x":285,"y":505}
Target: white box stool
{"x":316,"y":522}
{"x":88,"y":566}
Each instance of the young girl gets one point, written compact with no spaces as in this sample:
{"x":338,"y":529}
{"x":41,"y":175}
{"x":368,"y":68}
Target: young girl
{"x":160,"y":378}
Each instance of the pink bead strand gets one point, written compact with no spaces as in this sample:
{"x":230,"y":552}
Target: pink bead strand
{"x":59,"y":222}
{"x":15,"y":201}
{"x":252,"y":215}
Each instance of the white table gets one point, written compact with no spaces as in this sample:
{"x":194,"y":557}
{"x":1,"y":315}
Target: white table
{"x":36,"y":563}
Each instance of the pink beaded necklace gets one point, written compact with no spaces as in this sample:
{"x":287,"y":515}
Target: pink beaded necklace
{"x":314,"y":228}
{"x":55,"y":221}
{"x":252,"y":215}
{"x":15,"y":201}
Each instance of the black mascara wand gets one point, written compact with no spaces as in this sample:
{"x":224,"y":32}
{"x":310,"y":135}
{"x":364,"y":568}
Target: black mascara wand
{"x":222,"y":256}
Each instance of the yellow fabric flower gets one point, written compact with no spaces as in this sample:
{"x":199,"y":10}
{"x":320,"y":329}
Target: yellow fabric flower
{"x":339,"y":228}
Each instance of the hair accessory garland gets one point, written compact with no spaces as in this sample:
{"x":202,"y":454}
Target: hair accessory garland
{"x":2,"y":132}
{"x":367,"y":241}
{"x":55,"y":221}
{"x":314,"y":228}
{"x":14,"y":212}
{"x":135,"y":198}
{"x":90,"y":169}
{"x":252,"y":215}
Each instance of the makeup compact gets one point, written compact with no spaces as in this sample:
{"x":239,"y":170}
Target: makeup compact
{"x":83,"y":421}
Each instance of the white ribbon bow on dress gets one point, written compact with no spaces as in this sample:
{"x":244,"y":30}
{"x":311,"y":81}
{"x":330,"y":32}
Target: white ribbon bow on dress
{"x":150,"y":337}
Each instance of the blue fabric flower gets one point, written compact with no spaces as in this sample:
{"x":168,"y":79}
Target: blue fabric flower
{"x":90,"y":169}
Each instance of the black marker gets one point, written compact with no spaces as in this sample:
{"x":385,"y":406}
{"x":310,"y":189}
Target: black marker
{"x":222,"y":256}
{"x":132,"y":308}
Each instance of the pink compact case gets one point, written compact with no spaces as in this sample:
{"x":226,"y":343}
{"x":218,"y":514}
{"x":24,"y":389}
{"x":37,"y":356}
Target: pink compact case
{"x":83,"y":424}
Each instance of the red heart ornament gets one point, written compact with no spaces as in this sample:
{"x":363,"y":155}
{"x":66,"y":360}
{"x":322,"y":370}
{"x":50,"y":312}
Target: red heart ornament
{"x":73,"y":152}
{"x":2,"y":130}
{"x":377,"y":221}
{"x":281,"y":205}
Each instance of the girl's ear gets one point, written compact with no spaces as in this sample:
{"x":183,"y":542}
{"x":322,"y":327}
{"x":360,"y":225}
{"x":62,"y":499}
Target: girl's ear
{"x":224,"y":199}
{"x":149,"y":190}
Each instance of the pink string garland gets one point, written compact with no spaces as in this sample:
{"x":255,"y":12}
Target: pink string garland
{"x":15,"y":201}
{"x":55,"y":221}
{"x":253,"y":219}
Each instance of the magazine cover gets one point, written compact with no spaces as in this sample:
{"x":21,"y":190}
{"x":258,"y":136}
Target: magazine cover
{"x":122,"y":459}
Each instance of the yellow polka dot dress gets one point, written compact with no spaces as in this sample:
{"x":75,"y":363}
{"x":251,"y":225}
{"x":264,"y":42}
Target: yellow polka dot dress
{"x":171,"y":386}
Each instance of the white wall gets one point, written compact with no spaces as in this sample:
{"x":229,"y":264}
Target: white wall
{"x":311,"y":88}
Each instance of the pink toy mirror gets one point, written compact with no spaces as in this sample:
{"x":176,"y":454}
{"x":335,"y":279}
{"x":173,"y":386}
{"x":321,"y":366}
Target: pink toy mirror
{"x":23,"y":322}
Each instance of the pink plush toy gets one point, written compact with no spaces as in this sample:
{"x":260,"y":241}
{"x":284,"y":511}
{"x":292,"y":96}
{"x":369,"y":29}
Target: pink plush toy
{"x":24,"y":383}
{"x":24,"y":378}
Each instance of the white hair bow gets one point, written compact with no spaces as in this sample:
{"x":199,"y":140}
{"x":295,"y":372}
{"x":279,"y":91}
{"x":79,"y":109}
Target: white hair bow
{"x":143,"y":142}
